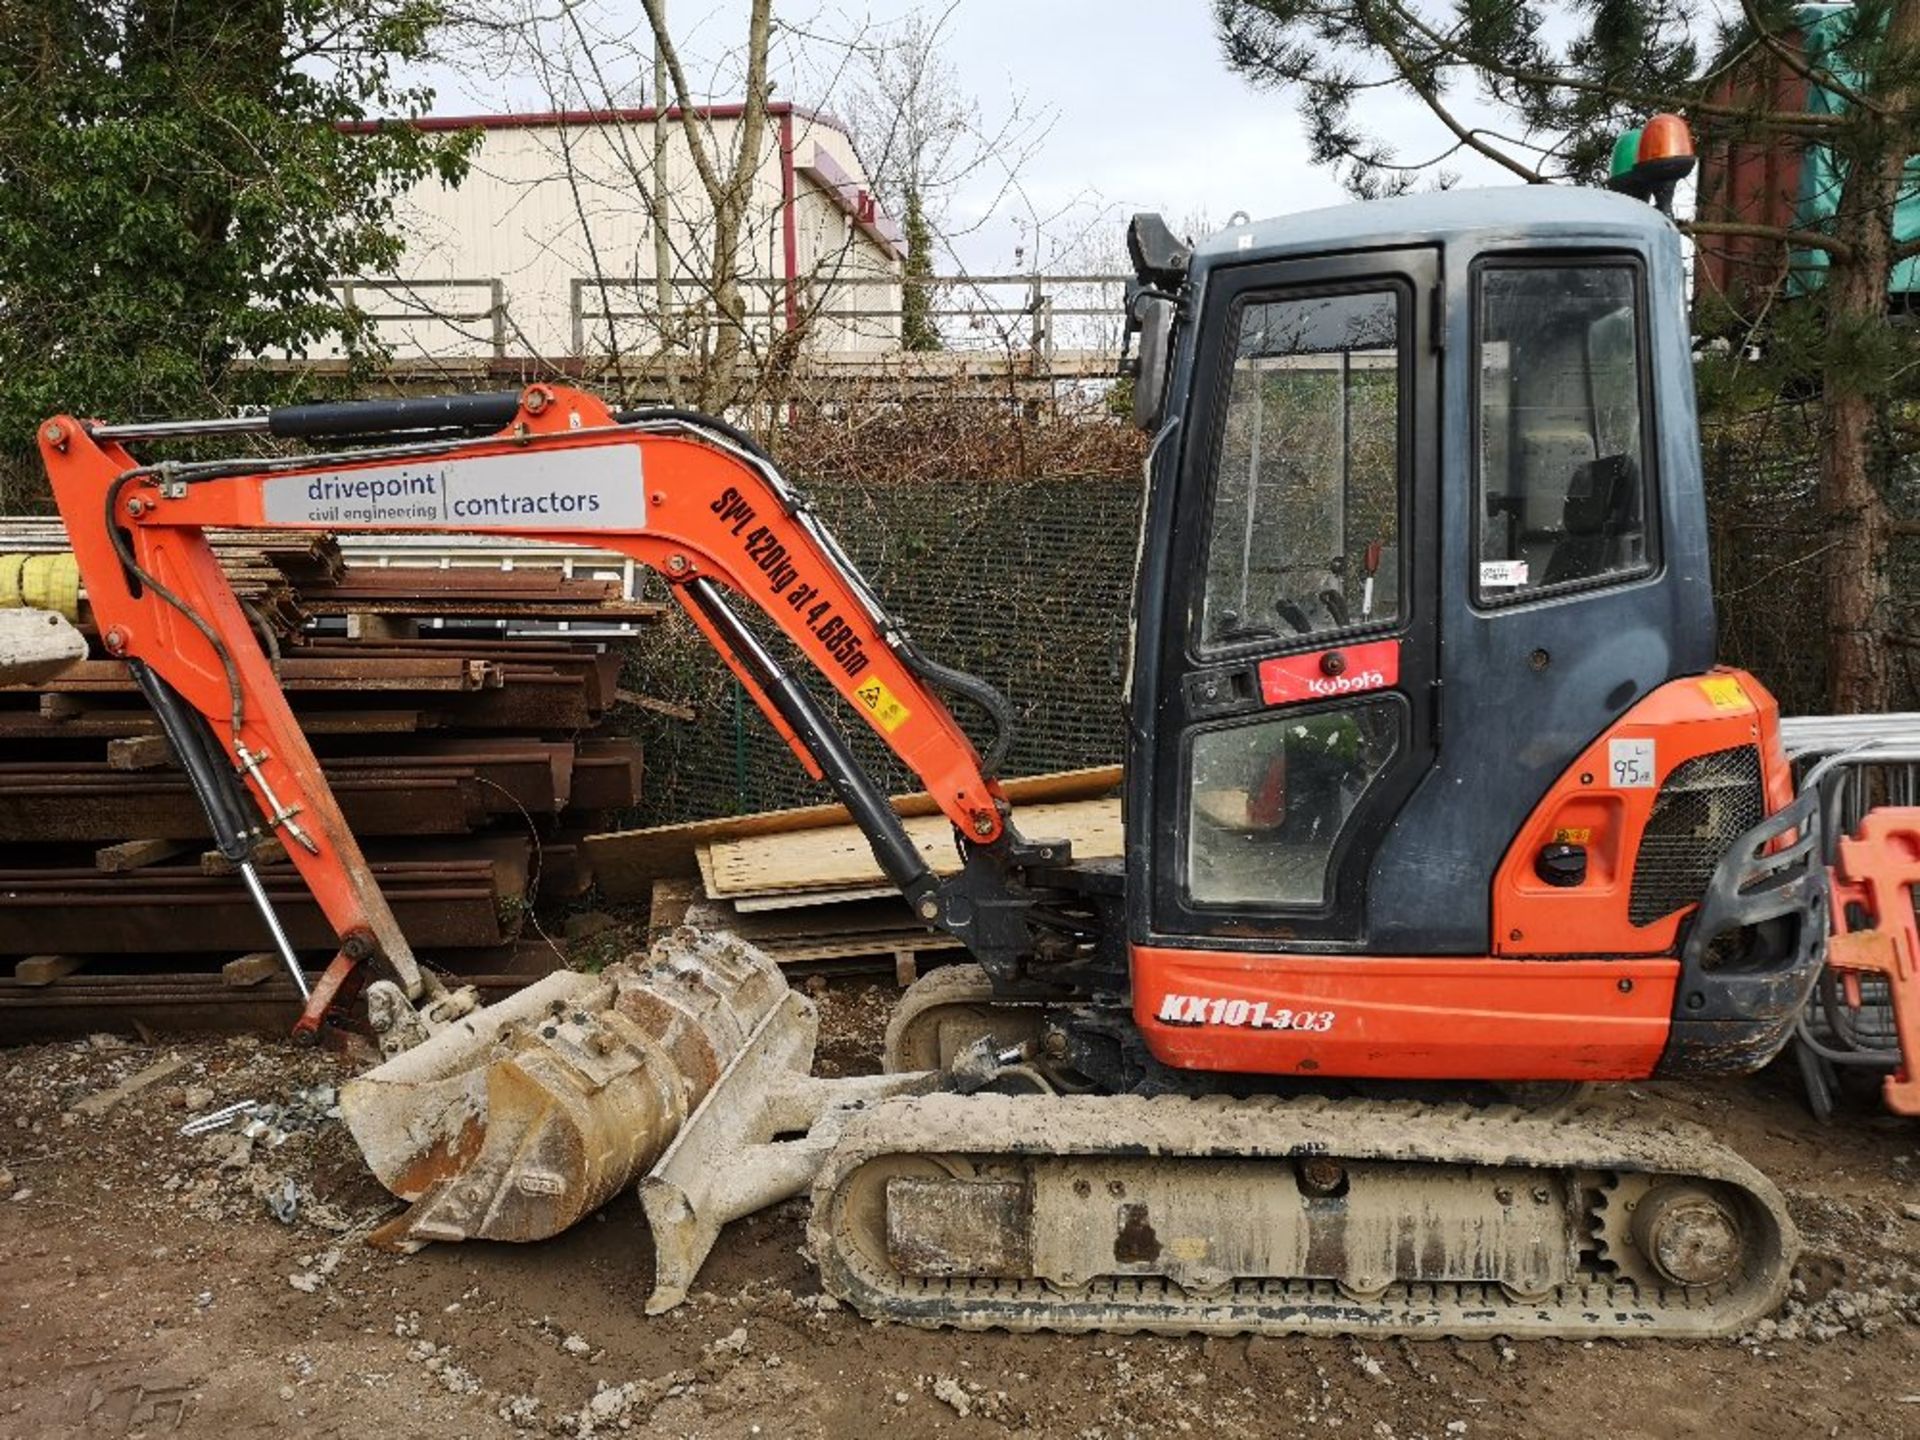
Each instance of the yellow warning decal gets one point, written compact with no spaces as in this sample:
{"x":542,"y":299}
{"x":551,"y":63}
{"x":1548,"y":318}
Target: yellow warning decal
{"x":889,"y":712}
{"x":1573,"y":835}
{"x":1725,"y":692}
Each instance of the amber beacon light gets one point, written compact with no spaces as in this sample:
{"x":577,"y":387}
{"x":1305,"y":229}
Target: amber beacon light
{"x":1648,"y":162}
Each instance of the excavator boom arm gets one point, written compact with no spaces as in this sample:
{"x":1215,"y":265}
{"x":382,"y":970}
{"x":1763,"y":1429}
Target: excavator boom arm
{"x":684,"y":495}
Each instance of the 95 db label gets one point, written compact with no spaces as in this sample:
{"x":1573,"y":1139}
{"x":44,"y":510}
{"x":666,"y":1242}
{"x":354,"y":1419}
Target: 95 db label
{"x":1248,"y":1014}
{"x":1630,"y":764}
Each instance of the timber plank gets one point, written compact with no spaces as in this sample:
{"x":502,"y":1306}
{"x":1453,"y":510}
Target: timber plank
{"x":750,"y":904}
{"x":45,"y":969}
{"x":70,"y":719}
{"x":267,"y":852}
{"x":251,"y":969}
{"x":840,"y":858}
{"x":132,"y":854}
{"x":672,"y":896}
{"x":425,"y":673}
{"x":628,"y":862}
{"x":139,"y":752}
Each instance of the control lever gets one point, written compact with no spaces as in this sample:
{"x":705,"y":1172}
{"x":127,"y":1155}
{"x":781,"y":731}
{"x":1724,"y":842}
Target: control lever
{"x":1369,"y":566}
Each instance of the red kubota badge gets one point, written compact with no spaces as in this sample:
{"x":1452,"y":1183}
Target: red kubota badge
{"x":1328,"y":674}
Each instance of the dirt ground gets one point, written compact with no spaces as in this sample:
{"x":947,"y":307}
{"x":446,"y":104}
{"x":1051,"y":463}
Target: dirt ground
{"x":147,"y":1288}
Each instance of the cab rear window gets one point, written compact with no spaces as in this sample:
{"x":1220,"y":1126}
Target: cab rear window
{"x":1564,"y":492}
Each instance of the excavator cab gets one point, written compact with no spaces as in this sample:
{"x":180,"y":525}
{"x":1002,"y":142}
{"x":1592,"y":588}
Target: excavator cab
{"x":1431,"y":768}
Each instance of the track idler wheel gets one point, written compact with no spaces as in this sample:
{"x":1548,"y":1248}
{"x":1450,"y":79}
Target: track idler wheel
{"x":948,"y":1009}
{"x":1690,"y":1235}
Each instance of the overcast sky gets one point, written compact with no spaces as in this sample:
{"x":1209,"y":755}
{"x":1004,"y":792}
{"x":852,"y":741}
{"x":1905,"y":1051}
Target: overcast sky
{"x":1132,"y":108}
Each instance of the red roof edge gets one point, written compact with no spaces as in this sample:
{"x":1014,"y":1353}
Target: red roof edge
{"x":856,"y":200}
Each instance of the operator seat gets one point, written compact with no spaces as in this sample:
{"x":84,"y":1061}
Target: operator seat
{"x":1602,"y":508}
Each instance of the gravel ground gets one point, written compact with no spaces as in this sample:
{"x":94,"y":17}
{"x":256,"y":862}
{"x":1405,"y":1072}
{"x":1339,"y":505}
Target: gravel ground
{"x":155,"y":1284}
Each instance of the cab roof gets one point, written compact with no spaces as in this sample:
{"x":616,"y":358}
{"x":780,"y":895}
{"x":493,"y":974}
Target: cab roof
{"x":1495,"y":215}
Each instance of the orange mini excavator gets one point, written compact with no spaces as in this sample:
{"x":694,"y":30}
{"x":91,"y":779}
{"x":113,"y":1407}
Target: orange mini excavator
{"x":1433,"y":786}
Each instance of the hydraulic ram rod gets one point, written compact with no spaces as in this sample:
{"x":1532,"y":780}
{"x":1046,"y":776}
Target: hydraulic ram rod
{"x":218,"y":789}
{"x":899,"y":858}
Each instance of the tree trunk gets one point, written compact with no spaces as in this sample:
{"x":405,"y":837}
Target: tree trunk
{"x":719,"y":386}
{"x":728,"y":194}
{"x":1855,"y":563}
{"x":662,"y":250}
{"x":1855,"y":559}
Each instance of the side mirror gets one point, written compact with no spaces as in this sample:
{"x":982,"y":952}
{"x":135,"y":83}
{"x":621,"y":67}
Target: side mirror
{"x":1153,"y":315}
{"x":1160,"y":262}
{"x":1160,"y":258}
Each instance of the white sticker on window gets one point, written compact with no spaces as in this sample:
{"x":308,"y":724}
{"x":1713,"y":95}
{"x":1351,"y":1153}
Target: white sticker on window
{"x":1498,"y":574}
{"x":1630,"y":764}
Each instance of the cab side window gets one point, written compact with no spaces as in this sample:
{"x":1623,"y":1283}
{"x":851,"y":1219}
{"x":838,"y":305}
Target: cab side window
{"x":1304,"y":537}
{"x":1564,"y":497}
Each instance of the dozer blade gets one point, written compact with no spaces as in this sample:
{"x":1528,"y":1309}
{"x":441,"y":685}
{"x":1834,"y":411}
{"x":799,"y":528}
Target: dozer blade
{"x":1298,"y":1216}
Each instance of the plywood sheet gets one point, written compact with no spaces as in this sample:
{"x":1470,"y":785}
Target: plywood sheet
{"x":840,"y":858}
{"x":791,"y":899}
{"x":626,"y":863}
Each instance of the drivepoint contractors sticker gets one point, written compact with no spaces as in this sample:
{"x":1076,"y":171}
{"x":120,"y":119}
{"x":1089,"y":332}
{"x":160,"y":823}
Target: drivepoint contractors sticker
{"x":578,"y":488}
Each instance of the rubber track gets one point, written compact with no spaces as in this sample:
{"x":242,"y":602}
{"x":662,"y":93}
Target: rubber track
{"x":1594,"y":1138}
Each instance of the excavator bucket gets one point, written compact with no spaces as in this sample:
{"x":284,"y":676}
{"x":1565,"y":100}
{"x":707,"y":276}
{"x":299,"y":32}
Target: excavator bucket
{"x":516,"y":1121}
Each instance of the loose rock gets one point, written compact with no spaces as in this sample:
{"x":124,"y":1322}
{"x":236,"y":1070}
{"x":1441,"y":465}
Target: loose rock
{"x":947,"y":1389}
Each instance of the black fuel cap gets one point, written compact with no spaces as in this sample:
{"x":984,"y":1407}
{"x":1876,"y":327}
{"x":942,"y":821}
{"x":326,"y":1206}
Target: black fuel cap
{"x":1562,"y":865}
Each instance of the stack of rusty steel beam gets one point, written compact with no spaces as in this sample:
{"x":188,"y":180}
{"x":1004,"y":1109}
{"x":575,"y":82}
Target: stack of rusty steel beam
{"x":459,"y":722}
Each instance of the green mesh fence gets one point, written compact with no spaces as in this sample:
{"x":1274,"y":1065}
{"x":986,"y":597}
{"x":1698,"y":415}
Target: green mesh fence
{"x":1768,"y":538}
{"x":1025,"y":584}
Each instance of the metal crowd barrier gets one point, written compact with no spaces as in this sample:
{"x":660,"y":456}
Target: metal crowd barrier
{"x":1856,"y":763}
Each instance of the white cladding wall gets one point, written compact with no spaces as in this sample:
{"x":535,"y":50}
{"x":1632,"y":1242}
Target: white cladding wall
{"x":548,"y":212}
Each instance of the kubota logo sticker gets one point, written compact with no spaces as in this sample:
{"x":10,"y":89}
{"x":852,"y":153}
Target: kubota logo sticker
{"x":1324,"y":674}
{"x":1250,"y":1014}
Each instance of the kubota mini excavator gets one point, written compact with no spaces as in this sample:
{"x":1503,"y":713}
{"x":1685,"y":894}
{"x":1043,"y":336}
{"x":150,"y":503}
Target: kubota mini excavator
{"x":1432,"y":782}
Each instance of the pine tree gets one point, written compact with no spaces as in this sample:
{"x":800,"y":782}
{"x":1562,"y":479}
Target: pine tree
{"x":919,"y":330}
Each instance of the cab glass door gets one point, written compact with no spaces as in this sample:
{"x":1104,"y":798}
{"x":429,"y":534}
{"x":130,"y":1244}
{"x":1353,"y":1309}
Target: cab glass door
{"x":1302,"y":714}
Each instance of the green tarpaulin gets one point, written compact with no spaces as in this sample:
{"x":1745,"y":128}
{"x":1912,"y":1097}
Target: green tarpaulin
{"x":1825,"y":29}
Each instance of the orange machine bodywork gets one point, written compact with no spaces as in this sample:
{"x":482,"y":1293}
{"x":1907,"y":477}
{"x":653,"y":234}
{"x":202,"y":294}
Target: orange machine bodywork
{"x":1572,"y":991}
{"x":708,"y":513}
